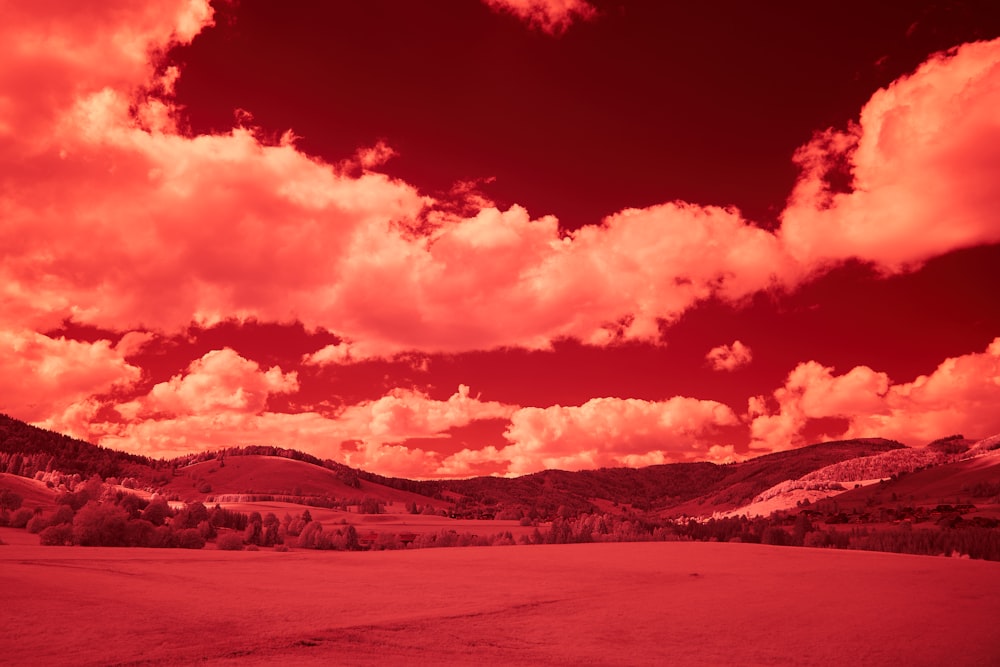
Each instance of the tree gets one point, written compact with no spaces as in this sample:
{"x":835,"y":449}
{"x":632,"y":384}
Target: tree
{"x":254,"y":533}
{"x":10,"y":500}
{"x":307,"y":536}
{"x":100,"y":524}
{"x":156,"y":511}
{"x":272,"y":533}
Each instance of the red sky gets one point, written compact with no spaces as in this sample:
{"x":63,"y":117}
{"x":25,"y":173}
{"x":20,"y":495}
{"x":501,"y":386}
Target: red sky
{"x":472,"y":237}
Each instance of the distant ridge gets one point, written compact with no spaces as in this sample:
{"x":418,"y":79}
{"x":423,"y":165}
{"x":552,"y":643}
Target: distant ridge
{"x":694,"y":489}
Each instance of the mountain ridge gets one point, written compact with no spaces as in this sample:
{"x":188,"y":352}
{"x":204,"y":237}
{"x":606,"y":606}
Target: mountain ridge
{"x":666,"y":490}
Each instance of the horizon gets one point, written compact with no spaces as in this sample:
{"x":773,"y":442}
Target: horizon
{"x":500,"y":236}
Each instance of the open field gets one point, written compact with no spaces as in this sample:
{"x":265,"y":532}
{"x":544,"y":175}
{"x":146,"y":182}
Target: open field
{"x":597,"y":604}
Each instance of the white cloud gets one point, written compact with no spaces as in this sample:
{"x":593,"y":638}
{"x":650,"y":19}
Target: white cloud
{"x":729,"y":357}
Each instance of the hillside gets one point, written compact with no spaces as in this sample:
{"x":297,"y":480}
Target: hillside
{"x":974,"y":481}
{"x":32,"y":492}
{"x":256,"y":475}
{"x":693,"y":489}
{"x":26,"y":449}
{"x":675,"y":489}
{"x":783,"y":479}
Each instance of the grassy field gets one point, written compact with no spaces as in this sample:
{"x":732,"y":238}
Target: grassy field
{"x":596,"y":604}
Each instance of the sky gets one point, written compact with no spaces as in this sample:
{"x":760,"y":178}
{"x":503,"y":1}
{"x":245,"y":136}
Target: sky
{"x":448,"y":239}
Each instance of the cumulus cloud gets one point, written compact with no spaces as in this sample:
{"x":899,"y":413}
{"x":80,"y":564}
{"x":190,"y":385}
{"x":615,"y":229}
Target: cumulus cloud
{"x":113,"y":218}
{"x":45,"y":377}
{"x":614,"y":432}
{"x":220,"y":381}
{"x":551,"y":16}
{"x":221,"y":400}
{"x":961,"y":395}
{"x":924,"y":163}
{"x":729,"y":357}
{"x":371,"y":259}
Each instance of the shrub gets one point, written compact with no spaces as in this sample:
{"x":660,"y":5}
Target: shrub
{"x":310,"y":534}
{"x":162,"y":537}
{"x":21,"y":518}
{"x":817,"y":538}
{"x":100,"y":524}
{"x":229,"y":542}
{"x":281,"y":547}
{"x":57,"y":535}
{"x":10,"y":500}
{"x":37,"y":524}
{"x":156,"y":511}
{"x":63,"y":514}
{"x":189,"y":538}
{"x":139,"y":533}
{"x":207,"y":530}
{"x":204,"y":487}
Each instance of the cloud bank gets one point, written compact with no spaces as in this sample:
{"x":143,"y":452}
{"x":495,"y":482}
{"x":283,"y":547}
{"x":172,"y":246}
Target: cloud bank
{"x":961,"y":395}
{"x":114,"y":218}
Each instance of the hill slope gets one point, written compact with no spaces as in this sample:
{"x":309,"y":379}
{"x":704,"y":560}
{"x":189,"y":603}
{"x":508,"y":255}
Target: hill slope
{"x":256,"y":475}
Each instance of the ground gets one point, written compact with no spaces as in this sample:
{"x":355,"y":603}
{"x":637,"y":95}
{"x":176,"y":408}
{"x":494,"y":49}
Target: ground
{"x":595,"y":604}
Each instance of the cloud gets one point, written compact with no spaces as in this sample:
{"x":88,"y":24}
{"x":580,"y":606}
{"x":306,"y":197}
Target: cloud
{"x":221,"y":400}
{"x":403,"y":414}
{"x":551,"y":16}
{"x":729,"y":357}
{"x":388,"y":269}
{"x":54,"y":54}
{"x":342,"y":353}
{"x":43,"y":377}
{"x":924,"y":162}
{"x":115,"y":219}
{"x":961,"y":395}
{"x":614,"y":432}
{"x":220,"y":381}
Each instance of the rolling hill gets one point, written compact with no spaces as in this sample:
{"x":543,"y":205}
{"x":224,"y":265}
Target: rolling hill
{"x":929,"y":475}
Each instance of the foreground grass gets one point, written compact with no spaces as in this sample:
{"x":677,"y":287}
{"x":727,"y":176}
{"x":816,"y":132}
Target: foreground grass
{"x":646,"y":603}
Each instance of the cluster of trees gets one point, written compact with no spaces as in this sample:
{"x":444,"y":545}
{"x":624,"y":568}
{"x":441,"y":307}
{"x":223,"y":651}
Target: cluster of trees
{"x":26,"y":450}
{"x":975,"y":541}
{"x":94,"y":515}
{"x":364,"y":505}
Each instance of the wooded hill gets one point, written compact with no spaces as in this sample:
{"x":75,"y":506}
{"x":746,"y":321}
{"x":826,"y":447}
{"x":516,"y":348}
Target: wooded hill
{"x":665,"y":490}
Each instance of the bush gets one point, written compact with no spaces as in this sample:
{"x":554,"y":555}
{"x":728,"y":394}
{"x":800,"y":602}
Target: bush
{"x":21,"y":518}
{"x":189,"y":538}
{"x":229,"y":542}
{"x":100,"y":525}
{"x":37,"y":524}
{"x":207,"y":530}
{"x":56,"y":536}
{"x":63,"y":514}
{"x":140,"y":533}
{"x":156,"y":511}
{"x":817,"y":538}
{"x":10,"y":500}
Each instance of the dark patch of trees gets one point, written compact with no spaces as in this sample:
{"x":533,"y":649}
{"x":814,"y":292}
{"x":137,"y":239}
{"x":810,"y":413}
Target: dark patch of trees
{"x":26,"y":450}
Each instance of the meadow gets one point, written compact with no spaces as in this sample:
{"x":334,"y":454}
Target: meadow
{"x":679,"y":603}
